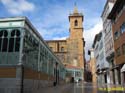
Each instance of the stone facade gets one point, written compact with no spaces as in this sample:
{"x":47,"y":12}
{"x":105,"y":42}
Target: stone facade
{"x":59,"y":47}
{"x":71,"y":50}
{"x":93,"y":66}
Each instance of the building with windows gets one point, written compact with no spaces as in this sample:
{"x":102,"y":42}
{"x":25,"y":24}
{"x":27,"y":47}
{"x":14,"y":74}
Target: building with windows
{"x":101,"y":64}
{"x":59,"y":47}
{"x":73,"y":74}
{"x":26,"y":61}
{"x":108,"y":39}
{"x":88,"y":72}
{"x":93,"y":65}
{"x":117,"y":16}
{"x":71,"y":50}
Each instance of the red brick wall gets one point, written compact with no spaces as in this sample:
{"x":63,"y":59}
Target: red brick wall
{"x":121,"y":40}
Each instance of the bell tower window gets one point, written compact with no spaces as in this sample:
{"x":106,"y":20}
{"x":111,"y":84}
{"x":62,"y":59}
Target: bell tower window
{"x":62,"y":49}
{"x":76,"y":23}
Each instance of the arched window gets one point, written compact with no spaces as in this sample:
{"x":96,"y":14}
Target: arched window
{"x":1,"y":34}
{"x":76,"y":23}
{"x":17,"y":43}
{"x":62,"y":49}
{"x":5,"y":41}
{"x":14,"y":41}
{"x":11,"y":41}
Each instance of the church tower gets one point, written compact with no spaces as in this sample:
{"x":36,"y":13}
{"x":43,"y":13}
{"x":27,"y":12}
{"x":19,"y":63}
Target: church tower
{"x":71,"y":50}
{"x":75,"y":41}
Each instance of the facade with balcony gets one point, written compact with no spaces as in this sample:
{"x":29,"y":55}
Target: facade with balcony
{"x":108,"y":39}
{"x":101,"y":64}
{"x":117,"y":16}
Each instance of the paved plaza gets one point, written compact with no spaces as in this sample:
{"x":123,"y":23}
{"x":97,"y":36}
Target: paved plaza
{"x":75,"y":88}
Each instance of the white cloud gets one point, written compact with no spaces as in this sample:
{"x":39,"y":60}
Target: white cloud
{"x":18,"y":6}
{"x":90,"y":34}
{"x":53,"y":34}
{"x":54,"y":23}
{"x":58,"y":38}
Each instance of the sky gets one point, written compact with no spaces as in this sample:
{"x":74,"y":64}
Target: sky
{"x":50,"y":17}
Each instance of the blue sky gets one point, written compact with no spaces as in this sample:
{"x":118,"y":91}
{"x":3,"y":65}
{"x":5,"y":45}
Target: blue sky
{"x":50,"y":17}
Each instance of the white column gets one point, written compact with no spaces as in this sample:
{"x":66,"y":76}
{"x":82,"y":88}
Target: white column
{"x":116,"y":76}
{"x":122,"y":78}
{"x":111,"y":76}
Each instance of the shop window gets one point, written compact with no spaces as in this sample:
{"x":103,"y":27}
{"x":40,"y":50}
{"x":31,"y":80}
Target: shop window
{"x":119,"y":76}
{"x":118,"y":53}
{"x":105,"y":76}
{"x":122,"y":28}
{"x":123,"y":48}
{"x":77,"y":74}
{"x":113,"y":73}
{"x":76,"y":23}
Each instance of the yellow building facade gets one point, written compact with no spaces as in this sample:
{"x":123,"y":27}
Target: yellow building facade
{"x":71,"y":50}
{"x":93,"y":66}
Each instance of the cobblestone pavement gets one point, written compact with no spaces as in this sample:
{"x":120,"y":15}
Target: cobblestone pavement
{"x":75,"y":88}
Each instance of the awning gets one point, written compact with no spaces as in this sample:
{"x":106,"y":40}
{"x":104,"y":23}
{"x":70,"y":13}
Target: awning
{"x":123,"y":68}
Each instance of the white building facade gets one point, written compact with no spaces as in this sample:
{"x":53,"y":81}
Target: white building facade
{"x":101,"y":64}
{"x":108,"y":40}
